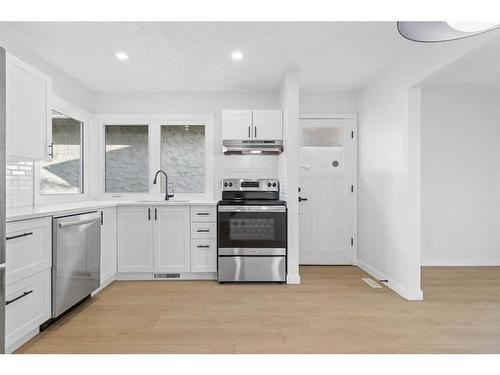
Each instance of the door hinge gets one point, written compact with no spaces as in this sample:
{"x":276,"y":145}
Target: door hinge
{"x":352,"y":134}
{"x":352,"y":188}
{"x":352,"y":241}
{"x":102,"y":218}
{"x":50,"y":149}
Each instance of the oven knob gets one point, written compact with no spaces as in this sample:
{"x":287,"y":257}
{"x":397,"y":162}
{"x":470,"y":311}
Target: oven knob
{"x":274,"y":184}
{"x":225,"y":184}
{"x":230,"y":184}
{"x":268,"y":184}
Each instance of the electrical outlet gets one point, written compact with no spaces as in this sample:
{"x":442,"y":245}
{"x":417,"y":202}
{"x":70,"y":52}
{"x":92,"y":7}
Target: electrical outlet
{"x":428,"y":245}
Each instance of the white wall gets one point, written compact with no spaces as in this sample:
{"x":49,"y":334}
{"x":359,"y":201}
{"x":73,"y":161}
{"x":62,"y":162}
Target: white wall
{"x":226,"y":166}
{"x":328,"y":102}
{"x":62,"y":85}
{"x":389,"y":166}
{"x":460,"y":178}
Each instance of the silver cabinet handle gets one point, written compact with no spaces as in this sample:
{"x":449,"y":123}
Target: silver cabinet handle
{"x":149,"y":214}
{"x":249,"y":132}
{"x":255,"y":131}
{"x":203,"y":246}
{"x":203,"y":230}
{"x":202,"y":213}
{"x":81,"y":222}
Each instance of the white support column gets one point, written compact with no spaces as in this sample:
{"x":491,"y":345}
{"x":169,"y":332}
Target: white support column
{"x":289,"y":166}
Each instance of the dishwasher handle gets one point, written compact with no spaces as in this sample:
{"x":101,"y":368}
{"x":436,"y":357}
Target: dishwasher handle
{"x":81,"y":222}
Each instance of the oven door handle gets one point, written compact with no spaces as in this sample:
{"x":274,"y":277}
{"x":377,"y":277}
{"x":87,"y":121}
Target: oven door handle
{"x":252,"y":208}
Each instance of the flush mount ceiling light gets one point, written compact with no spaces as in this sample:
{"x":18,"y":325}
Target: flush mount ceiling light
{"x":441,"y":31}
{"x":121,"y":56}
{"x":237,"y":55}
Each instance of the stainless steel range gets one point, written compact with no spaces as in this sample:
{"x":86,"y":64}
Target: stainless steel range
{"x":251,"y":232}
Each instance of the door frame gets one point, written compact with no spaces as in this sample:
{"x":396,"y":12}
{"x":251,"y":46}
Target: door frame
{"x":354,"y":118}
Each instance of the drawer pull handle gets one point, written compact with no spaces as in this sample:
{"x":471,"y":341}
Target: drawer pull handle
{"x":19,"y":236}
{"x":202,"y":213}
{"x":203,"y":230}
{"x":15,"y":299}
{"x":203,"y":246}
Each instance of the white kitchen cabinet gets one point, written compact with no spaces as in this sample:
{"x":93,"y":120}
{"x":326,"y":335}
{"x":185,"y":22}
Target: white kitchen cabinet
{"x":172,"y":248}
{"x":28,"y":305}
{"x":252,"y":125}
{"x":135,"y":239}
{"x":267,"y":124}
{"x":204,"y":255}
{"x":28,"y":248}
{"x":108,"y":244}
{"x":29,"y":112}
{"x":236,"y":124}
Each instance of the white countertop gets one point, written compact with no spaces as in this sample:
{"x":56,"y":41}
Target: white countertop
{"x":31,"y":212}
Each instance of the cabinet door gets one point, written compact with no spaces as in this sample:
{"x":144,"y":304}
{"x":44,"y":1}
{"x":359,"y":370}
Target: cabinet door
{"x":29,"y":119}
{"x":108,"y":244}
{"x":204,"y":255}
{"x":135,"y":239}
{"x":236,"y":124}
{"x":172,"y":239}
{"x":267,"y":124}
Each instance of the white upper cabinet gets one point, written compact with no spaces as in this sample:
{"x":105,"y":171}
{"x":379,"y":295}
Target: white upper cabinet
{"x":236,"y":124}
{"x":267,"y":124}
{"x":29,"y":129}
{"x":248,"y":124}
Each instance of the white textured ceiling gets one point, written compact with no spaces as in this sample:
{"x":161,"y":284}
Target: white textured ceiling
{"x":478,"y":70}
{"x":195,"y":56}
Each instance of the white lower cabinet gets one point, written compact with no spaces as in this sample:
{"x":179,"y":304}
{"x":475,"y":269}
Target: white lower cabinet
{"x":135,"y":239}
{"x":108,"y":244}
{"x":172,"y":239}
{"x":28,"y":248}
{"x":204,"y":255}
{"x":167,"y":240}
{"x":28,"y":304}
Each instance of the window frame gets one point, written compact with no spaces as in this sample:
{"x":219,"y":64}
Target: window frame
{"x":154,"y":123}
{"x":66,"y":108}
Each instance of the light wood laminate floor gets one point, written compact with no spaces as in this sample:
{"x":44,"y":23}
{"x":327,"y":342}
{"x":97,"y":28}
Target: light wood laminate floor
{"x":332,"y":311}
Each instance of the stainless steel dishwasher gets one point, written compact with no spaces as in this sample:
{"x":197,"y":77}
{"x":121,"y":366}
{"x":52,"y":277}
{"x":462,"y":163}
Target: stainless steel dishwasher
{"x":76,"y":258}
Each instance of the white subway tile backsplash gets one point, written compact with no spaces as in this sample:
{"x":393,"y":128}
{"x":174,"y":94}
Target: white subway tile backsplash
{"x":19,"y":183}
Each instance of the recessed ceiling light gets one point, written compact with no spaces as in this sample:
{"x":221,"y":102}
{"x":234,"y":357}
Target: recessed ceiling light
{"x":121,"y":56}
{"x":237,"y":55}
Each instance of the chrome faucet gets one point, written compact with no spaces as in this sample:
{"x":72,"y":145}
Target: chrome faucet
{"x":167,"y":195}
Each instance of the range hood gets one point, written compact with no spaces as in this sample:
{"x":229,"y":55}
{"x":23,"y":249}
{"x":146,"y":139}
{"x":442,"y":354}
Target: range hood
{"x":252,"y":147}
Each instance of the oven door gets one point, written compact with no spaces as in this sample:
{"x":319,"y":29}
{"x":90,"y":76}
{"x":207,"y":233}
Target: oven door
{"x":254,"y":227}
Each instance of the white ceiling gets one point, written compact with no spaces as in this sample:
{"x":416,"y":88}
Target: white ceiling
{"x":195,"y":56}
{"x":478,"y":70}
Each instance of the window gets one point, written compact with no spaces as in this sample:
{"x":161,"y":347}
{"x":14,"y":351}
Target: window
{"x":64,"y":173}
{"x":322,"y":148}
{"x":183,"y":157}
{"x":127,"y":159}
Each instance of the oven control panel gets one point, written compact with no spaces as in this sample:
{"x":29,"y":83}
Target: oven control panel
{"x":250,"y":185}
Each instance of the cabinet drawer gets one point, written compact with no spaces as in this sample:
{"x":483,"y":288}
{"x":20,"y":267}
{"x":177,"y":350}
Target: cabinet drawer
{"x":27,"y":306}
{"x":28,"y":248}
{"x":203,"y":213}
{"x":203,"y":230}
{"x":204,"y":255}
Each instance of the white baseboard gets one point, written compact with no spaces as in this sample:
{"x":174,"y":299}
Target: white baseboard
{"x":293,"y":279}
{"x":150,"y":276}
{"x":104,"y":284}
{"x":23,"y":340}
{"x":409,"y":294}
{"x":461,"y":262}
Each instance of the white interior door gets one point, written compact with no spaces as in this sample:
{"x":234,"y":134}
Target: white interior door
{"x":327,"y":191}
